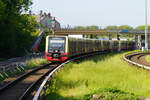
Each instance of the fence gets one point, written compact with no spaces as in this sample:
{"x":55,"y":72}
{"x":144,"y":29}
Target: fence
{"x":18,"y":62}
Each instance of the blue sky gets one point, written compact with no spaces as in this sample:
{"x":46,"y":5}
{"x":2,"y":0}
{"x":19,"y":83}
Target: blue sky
{"x":94,"y":12}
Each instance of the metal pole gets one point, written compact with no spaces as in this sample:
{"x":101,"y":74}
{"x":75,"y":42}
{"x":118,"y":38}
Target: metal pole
{"x":30,"y":12}
{"x":146,"y":44}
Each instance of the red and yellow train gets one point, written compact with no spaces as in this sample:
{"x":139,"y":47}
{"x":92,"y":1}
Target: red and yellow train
{"x":60,"y":48}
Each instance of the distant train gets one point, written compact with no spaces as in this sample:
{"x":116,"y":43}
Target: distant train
{"x":60,"y":48}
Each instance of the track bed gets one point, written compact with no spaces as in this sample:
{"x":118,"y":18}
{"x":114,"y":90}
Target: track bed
{"x":17,"y":89}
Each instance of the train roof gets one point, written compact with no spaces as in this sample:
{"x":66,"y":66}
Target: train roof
{"x":82,"y":38}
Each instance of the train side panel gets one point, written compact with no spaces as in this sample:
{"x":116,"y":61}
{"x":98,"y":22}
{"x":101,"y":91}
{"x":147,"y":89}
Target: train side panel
{"x":74,"y":46}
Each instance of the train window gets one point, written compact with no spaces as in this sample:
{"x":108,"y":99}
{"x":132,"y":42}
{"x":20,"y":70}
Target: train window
{"x":106,"y":43}
{"x":56,"y":43}
{"x":115,"y":43}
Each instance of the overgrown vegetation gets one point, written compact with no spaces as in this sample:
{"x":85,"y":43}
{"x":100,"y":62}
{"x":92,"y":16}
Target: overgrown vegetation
{"x":148,"y":58}
{"x":36,"y":33}
{"x":16,"y":28}
{"x":35,"y":62}
{"x":111,"y":94}
{"x":105,"y":75}
{"x":29,"y":65}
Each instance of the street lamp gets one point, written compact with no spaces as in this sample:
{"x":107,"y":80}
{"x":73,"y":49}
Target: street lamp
{"x":146,"y":43}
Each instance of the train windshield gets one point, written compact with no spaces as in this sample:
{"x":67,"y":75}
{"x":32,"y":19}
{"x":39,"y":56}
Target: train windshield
{"x":57,"y":43}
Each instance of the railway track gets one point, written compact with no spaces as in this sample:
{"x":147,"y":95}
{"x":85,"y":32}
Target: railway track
{"x":137,"y":59}
{"x":27,"y":86}
{"x":20,"y":88}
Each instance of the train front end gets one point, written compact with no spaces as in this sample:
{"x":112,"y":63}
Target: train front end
{"x":56,"y":48}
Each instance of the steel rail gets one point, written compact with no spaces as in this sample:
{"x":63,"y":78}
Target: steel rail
{"x":28,"y":91}
{"x":127,"y":56}
{"x":21,"y":78}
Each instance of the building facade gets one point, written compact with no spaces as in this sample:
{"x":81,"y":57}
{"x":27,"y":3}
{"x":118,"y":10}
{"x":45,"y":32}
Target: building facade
{"x":47,"y":21}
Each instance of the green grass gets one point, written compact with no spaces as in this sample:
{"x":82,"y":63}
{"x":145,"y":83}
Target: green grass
{"x":148,"y":58}
{"x":29,"y":65}
{"x":100,"y":75}
{"x":35,"y":62}
{"x":36,"y":33}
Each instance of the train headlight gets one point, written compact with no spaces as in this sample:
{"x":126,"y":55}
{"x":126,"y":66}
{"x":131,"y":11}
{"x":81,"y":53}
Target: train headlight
{"x":56,"y":51}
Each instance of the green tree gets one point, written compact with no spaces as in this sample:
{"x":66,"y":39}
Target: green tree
{"x":15,"y":27}
{"x":142,"y":27}
{"x":125,"y":27}
{"x":111,"y":27}
{"x":92,"y":27}
{"x":79,"y":27}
